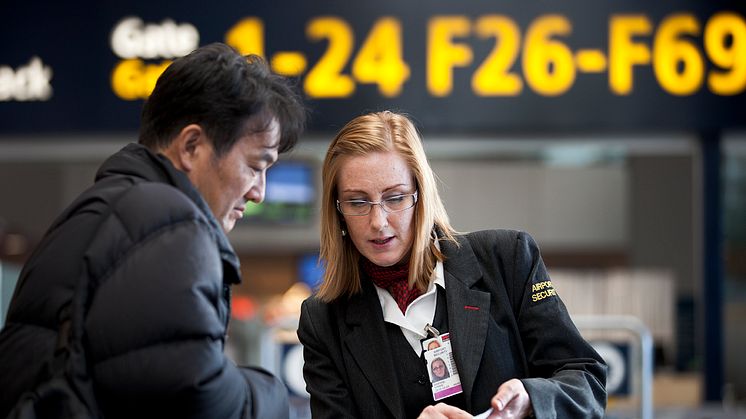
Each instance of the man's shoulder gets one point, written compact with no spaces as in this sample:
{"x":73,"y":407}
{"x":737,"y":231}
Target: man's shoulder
{"x":142,"y":213}
{"x":156,"y":203}
{"x":139,"y":206}
{"x":156,"y":197}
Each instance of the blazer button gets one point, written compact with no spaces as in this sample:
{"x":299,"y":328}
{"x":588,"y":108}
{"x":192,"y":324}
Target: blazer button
{"x":422,"y":380}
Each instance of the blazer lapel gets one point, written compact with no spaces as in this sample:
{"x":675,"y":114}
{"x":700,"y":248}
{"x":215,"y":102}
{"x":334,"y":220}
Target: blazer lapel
{"x":368,"y":344}
{"x":468,"y":311}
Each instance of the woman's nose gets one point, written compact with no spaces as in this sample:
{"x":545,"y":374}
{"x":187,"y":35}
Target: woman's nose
{"x":378,"y":217}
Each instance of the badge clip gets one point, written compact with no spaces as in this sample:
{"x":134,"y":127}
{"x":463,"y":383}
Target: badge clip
{"x":431,"y":331}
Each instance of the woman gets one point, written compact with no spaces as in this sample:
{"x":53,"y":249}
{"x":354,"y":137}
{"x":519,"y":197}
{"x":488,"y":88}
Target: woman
{"x":439,"y":370}
{"x":397,"y":273}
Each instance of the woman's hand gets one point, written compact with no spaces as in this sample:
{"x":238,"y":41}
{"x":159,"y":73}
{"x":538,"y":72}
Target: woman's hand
{"x":511,"y":401}
{"x":442,"y":410}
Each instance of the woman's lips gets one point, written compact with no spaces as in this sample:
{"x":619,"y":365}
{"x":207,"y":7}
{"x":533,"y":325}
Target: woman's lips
{"x":382,"y":241}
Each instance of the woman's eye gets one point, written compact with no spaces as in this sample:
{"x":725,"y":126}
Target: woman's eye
{"x":358,"y":203}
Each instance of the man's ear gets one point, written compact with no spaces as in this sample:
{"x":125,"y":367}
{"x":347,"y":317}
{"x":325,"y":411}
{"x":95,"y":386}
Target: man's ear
{"x":187,"y":147}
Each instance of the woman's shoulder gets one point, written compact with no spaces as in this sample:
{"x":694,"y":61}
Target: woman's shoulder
{"x":313,"y":302}
{"x":504,"y":242}
{"x":497,"y":235}
{"x":317,"y":307}
{"x":319,"y":318}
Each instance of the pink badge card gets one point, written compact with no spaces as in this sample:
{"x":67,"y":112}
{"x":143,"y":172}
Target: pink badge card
{"x":441,"y":366}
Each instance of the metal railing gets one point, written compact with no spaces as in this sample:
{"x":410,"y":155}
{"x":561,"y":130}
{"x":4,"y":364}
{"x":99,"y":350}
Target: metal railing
{"x":641,"y":360}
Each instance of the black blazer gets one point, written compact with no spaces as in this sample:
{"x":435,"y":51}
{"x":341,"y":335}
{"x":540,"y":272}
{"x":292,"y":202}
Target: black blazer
{"x":505,"y":321}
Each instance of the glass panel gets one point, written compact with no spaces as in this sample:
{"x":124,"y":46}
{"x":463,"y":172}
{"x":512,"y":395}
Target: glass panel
{"x":734,"y":226}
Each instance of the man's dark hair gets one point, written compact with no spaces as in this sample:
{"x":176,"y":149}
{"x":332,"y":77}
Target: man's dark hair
{"x":219,"y":89}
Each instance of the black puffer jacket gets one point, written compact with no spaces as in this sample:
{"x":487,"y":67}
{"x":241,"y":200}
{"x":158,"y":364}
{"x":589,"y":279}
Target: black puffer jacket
{"x":157,"y":323}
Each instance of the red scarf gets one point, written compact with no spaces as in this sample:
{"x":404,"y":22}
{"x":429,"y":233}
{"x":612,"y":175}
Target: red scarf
{"x":393,"y":279}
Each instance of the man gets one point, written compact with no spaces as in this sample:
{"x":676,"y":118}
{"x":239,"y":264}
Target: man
{"x":151,"y":234}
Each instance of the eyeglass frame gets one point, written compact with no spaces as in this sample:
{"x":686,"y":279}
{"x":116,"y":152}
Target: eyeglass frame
{"x":379,"y":203}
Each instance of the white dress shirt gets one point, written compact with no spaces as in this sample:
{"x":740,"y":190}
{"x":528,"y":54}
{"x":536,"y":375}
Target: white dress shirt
{"x":420,"y":312}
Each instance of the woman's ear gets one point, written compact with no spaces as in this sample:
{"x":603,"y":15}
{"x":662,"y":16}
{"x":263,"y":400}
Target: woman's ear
{"x":343,"y":226}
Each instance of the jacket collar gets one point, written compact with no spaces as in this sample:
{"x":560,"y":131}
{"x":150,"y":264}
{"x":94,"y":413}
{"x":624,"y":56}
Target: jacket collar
{"x":468,"y":310}
{"x":367,"y":342}
{"x":138,"y":161}
{"x":461,"y":261}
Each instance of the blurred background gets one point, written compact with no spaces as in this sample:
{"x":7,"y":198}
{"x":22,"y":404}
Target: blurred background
{"x":612,"y":131}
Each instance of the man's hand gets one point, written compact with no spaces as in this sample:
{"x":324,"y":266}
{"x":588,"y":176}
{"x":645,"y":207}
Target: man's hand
{"x":511,"y":401}
{"x":442,"y":410}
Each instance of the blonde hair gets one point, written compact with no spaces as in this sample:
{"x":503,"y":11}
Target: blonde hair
{"x":379,"y":132}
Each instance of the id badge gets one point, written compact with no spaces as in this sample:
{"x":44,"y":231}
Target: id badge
{"x":441,"y":366}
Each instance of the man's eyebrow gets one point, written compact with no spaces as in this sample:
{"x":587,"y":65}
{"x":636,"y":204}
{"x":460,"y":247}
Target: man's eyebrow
{"x":268,"y":156}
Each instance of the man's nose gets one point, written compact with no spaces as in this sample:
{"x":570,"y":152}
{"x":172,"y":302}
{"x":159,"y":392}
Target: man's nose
{"x":257,"y":190}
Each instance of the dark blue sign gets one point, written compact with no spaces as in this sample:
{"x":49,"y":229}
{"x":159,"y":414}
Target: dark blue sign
{"x":466,"y":66}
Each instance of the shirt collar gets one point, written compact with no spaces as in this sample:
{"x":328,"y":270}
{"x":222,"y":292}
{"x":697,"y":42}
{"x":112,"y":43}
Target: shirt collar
{"x":421,"y":308}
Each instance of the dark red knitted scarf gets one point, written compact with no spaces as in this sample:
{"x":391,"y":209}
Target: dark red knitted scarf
{"x":393,"y":279}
